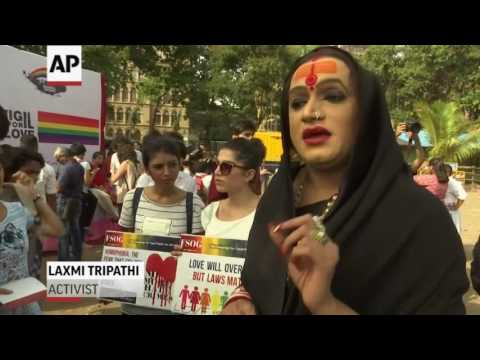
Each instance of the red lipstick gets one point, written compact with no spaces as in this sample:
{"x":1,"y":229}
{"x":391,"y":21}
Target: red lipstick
{"x":316,"y":135}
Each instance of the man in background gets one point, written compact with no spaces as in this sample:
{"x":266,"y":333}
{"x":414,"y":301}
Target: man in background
{"x":47,"y":183}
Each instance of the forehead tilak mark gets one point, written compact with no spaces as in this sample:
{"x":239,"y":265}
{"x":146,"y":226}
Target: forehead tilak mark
{"x":310,"y":70}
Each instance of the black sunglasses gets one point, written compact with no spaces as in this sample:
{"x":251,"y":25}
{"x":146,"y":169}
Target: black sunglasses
{"x":227,"y":167}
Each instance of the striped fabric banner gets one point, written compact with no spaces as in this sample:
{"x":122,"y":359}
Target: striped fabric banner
{"x":66,"y":129}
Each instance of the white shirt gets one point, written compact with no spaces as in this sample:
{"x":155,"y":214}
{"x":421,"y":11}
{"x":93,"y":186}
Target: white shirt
{"x":207,"y":180}
{"x":47,"y":182}
{"x":235,"y":230}
{"x":115,"y":163}
{"x":169,"y":219}
{"x":144,"y":180}
{"x":454,"y":193}
{"x":87,"y":167}
{"x":184,"y":182}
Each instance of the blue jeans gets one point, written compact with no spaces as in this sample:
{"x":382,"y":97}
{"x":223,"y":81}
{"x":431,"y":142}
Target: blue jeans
{"x":69,"y":211}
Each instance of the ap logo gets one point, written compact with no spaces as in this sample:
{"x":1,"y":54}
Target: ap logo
{"x":64,"y":65}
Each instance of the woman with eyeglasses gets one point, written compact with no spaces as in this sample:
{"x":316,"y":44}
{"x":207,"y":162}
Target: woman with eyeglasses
{"x":237,"y":176}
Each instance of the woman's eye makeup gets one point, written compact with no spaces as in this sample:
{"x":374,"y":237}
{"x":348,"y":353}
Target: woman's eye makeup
{"x":297,"y":103}
{"x":334,"y":96}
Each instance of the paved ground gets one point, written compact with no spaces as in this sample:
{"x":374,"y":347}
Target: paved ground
{"x":471,"y":231}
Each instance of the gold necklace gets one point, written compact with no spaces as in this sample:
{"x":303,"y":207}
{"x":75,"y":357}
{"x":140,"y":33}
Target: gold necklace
{"x":331,"y":201}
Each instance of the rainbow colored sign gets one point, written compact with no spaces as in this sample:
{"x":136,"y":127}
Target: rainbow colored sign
{"x":67,"y":129}
{"x":213,"y":246}
{"x":197,"y":283}
{"x":140,"y":241}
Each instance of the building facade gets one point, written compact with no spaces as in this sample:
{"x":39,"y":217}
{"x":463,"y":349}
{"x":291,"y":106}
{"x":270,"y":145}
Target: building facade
{"x":128,"y":115}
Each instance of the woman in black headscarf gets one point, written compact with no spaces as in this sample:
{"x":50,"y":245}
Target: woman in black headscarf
{"x":342,"y":228}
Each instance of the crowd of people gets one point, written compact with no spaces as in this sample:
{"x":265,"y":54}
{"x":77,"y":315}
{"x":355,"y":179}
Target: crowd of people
{"x":343,"y":225}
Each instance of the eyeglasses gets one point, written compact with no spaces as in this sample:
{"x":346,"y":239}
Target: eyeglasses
{"x":227,"y":167}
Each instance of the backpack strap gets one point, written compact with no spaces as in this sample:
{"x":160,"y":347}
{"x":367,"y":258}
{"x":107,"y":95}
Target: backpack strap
{"x":136,"y":201}
{"x":189,"y":212}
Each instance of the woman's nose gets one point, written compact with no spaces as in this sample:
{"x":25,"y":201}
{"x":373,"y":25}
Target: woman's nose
{"x":313,"y":111}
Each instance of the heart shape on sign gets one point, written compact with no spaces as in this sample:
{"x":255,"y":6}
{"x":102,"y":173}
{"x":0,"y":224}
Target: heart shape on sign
{"x":164,"y":268}
{"x":170,"y":269}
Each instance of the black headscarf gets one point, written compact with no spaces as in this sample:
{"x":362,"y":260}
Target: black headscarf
{"x":399,"y":250}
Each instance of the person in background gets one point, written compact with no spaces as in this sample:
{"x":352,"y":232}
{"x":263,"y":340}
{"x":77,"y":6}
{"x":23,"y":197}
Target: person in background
{"x":243,"y":129}
{"x":124,"y":145}
{"x":454,"y":199}
{"x":109,"y":151}
{"x":127,"y":173}
{"x":60,"y":158}
{"x":184,"y":181}
{"x":138,"y":146}
{"x":99,"y":186}
{"x":30,"y":163}
{"x":79,"y":151}
{"x":434,"y":179}
{"x":203,"y":177}
{"x":162,"y":209}
{"x":414,"y":138}
{"x":47,"y":183}
{"x":239,"y":162}
{"x":89,"y":202}
{"x":15,"y":219}
{"x":105,"y":213}
{"x":69,"y":208}
{"x":98,"y":178}
{"x":4,"y":123}
{"x":118,"y":144}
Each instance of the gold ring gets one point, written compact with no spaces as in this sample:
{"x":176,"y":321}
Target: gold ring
{"x":319,"y":232}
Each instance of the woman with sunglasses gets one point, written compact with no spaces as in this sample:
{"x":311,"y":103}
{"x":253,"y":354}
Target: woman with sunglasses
{"x":236,"y":175}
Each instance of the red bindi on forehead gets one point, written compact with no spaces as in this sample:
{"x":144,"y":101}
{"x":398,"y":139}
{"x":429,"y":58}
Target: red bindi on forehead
{"x":310,"y":70}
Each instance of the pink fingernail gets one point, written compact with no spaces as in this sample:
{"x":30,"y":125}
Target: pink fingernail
{"x":276,"y":228}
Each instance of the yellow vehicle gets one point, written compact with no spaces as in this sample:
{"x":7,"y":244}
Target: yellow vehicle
{"x":273,"y":142}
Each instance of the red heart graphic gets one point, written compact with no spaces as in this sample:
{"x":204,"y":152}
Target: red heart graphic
{"x":163,"y":272}
{"x":154,"y":263}
{"x":169,"y":269}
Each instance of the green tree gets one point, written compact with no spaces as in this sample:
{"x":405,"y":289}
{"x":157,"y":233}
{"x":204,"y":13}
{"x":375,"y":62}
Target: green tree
{"x":36,"y":49}
{"x":412,"y":73}
{"x":454,"y":138}
{"x":170,"y":73}
{"x":248,"y":79}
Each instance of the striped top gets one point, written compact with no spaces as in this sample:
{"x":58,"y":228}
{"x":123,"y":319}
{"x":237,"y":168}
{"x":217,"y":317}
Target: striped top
{"x":148,"y":209}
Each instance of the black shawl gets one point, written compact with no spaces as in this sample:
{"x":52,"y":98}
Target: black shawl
{"x":399,"y":250}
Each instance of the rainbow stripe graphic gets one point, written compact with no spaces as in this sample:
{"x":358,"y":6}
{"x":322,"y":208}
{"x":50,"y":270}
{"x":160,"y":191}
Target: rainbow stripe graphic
{"x":67,"y":129}
{"x":195,"y":244}
{"x":39,"y":72}
{"x":139,"y":241}
{"x":214,"y":246}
